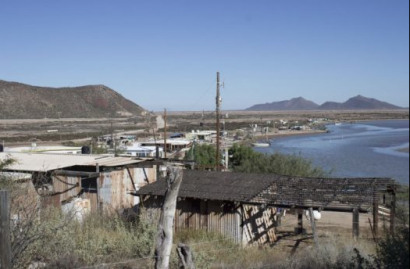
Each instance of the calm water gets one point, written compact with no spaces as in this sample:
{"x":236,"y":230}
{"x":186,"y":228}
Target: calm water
{"x":367,"y":149}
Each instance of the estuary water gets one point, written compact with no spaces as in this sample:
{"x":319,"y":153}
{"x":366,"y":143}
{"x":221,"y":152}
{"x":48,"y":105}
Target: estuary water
{"x":366,"y":149}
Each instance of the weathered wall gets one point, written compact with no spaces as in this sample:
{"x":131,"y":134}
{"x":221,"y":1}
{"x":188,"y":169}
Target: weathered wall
{"x":247,"y":225}
{"x":259,"y":225}
{"x":114,"y":188}
{"x":116,"y":185}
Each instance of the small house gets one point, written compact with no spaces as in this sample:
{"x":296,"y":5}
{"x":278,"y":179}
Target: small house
{"x":104,"y":182}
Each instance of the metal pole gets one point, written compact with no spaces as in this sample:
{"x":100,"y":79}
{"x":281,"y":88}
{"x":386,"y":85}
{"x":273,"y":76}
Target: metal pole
{"x":218,"y":120}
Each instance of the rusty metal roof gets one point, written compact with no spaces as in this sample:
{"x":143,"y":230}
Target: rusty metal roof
{"x":272,"y":189}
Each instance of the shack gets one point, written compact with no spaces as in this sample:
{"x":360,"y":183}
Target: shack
{"x":103,"y":182}
{"x":247,"y":207}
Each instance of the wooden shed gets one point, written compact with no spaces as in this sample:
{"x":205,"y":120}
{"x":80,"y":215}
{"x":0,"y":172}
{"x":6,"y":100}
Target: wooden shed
{"x":247,"y":207}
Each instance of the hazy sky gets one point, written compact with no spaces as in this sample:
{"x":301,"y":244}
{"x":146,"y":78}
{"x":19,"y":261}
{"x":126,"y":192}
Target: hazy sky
{"x":165,"y":54}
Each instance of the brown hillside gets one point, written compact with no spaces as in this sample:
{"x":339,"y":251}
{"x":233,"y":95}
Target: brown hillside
{"x":20,"y":101}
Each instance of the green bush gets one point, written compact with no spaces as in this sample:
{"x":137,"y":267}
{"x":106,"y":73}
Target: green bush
{"x":393,"y":250}
{"x":203,"y":155}
{"x":245,"y":159}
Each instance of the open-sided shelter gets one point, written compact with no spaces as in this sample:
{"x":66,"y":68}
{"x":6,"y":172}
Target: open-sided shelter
{"x":247,"y":207}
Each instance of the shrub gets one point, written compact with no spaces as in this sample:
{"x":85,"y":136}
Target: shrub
{"x":245,"y":159}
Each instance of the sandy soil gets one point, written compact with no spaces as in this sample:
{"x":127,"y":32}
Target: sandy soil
{"x":332,"y":223}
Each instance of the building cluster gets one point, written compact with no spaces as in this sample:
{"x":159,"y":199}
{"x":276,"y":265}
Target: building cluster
{"x":246,"y":208}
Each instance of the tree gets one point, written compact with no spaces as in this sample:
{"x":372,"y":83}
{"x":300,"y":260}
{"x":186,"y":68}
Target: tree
{"x":203,"y":155}
{"x":245,"y":159}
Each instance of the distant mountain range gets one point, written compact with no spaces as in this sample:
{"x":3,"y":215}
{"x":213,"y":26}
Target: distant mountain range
{"x":356,"y":103}
{"x":21,"y":101}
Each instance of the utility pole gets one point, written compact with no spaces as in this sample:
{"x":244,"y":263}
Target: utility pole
{"x":218,"y":120}
{"x":165,"y":133}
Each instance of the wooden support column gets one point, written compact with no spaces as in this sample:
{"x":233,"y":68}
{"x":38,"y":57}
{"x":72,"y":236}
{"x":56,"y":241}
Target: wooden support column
{"x":5,"y":244}
{"x":376,"y":214}
{"x":99,"y":202}
{"x":393,"y":214}
{"x":313,"y":223}
{"x":299,"y":229}
{"x":356,"y":223}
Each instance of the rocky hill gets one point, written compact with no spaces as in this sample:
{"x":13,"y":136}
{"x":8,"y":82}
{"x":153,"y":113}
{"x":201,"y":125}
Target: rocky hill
{"x":293,"y":104}
{"x":358,"y":103}
{"x":21,"y":101}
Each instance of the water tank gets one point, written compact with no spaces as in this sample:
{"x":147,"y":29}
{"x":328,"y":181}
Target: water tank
{"x":85,"y":150}
{"x":1,"y":148}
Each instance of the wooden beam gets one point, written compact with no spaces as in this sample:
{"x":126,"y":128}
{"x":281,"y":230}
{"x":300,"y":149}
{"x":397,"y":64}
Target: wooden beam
{"x":356,"y":223}
{"x":393,"y":214}
{"x":76,"y":173}
{"x":313,"y":223}
{"x":166,"y":223}
{"x":5,"y":244}
{"x":299,"y":229}
{"x":376,"y":214}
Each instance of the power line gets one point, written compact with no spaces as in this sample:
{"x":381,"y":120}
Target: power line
{"x":207,"y":91}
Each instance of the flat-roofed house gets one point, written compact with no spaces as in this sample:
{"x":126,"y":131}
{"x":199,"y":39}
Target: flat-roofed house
{"x":105,"y":181}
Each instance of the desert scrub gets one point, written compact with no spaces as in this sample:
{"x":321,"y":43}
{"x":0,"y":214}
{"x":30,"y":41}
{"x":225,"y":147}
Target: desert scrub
{"x":99,"y":239}
{"x":213,"y":251}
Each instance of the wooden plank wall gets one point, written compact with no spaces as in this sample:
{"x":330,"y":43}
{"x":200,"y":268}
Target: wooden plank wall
{"x":259,"y":225}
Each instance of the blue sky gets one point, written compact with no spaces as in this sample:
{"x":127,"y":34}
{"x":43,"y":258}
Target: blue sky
{"x":165,"y":54}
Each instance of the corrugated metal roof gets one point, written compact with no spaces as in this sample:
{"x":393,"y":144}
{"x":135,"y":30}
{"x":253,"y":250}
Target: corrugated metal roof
{"x":32,"y":162}
{"x":113,"y":161}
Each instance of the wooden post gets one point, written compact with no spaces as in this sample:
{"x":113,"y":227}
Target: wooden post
{"x":185,"y":256}
{"x":313,"y":223}
{"x":218,"y":121}
{"x":393,"y":214}
{"x":166,"y":223}
{"x":99,"y":202}
{"x":356,"y":223}
{"x":5,"y":244}
{"x":299,"y":229}
{"x":165,"y":134}
{"x":376,"y":214}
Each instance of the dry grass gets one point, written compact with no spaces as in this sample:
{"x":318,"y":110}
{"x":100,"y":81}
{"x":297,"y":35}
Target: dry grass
{"x":214,"y":252}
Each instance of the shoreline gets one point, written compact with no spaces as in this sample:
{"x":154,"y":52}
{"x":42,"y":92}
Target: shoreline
{"x":280,"y":134}
{"x":404,"y":150}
